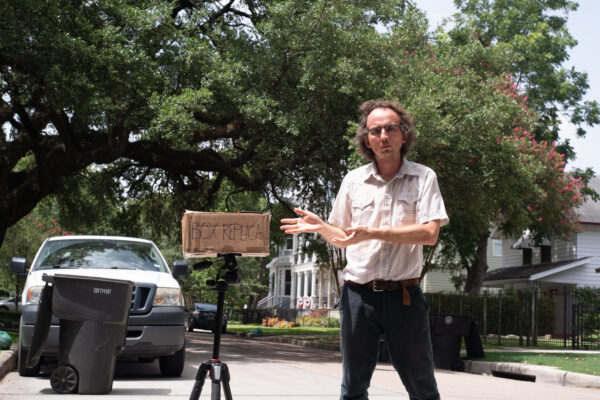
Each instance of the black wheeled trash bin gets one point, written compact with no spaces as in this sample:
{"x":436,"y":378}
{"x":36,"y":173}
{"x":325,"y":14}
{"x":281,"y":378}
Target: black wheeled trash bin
{"x":447,"y":332}
{"x":93,"y":316}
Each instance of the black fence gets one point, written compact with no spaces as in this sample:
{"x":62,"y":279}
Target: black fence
{"x":517,"y":318}
{"x":586,"y":327}
{"x":257,"y":316}
{"x":545,"y":319}
{"x":270,"y":316}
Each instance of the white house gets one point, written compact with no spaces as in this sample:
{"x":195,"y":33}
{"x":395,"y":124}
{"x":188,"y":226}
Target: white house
{"x":295,"y":280}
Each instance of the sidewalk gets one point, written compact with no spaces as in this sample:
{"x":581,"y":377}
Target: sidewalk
{"x":8,"y":360}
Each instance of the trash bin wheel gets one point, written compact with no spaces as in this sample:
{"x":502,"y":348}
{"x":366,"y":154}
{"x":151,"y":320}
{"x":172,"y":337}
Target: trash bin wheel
{"x":64,"y":380}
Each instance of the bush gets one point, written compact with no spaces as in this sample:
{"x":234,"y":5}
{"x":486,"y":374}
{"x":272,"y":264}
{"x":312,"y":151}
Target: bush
{"x":9,"y":319}
{"x":318,"y":318}
{"x":277,"y":323}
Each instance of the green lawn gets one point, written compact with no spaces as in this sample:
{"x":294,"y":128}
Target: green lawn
{"x":573,"y":362}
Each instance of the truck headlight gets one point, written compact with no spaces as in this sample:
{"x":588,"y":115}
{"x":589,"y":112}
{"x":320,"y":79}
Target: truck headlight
{"x":168,"y":297}
{"x":33,"y":295}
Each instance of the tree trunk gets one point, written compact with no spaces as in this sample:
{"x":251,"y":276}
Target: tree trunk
{"x":335,"y":263}
{"x":254,"y":298}
{"x":428,"y":260}
{"x":479,"y":267}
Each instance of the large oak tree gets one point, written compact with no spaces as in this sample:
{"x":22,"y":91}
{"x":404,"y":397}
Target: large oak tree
{"x":182,"y":95}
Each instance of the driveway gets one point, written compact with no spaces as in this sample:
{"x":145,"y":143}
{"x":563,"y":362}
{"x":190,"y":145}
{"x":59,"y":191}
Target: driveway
{"x":261,"y":369}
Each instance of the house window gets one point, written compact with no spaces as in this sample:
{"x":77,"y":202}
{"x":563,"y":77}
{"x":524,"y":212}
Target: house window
{"x":289,"y":244}
{"x":546,"y":255}
{"x":497,"y":247}
{"x":527,"y":256}
{"x":288,"y":282}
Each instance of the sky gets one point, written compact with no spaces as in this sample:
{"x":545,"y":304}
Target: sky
{"x":585,"y":57}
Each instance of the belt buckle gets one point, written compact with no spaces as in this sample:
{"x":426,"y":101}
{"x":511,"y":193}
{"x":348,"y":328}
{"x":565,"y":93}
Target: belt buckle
{"x":375,"y":288}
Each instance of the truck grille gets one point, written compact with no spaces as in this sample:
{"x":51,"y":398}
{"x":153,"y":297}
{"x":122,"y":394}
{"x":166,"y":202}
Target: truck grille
{"x":141,"y":299}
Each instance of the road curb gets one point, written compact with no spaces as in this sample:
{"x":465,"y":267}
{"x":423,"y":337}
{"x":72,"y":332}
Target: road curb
{"x":8,"y":360}
{"x":541,"y":373}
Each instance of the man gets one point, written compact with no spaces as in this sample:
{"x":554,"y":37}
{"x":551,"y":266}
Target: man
{"x":383,"y":215}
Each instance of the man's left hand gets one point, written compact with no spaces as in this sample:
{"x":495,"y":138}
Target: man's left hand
{"x":354,"y":235}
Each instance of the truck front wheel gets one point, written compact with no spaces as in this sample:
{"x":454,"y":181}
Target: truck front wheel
{"x":172,"y":365}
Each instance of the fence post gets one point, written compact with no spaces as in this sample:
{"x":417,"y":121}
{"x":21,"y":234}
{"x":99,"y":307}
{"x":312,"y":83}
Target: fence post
{"x":574,"y":327}
{"x":484,"y":315}
{"x":565,"y":318}
{"x":533,"y":315}
{"x":500,"y":318}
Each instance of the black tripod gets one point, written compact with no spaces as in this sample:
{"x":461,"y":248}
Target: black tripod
{"x":219,"y":373}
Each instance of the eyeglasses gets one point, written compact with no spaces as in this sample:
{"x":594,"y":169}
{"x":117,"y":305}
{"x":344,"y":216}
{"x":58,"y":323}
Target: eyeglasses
{"x":390,"y":129}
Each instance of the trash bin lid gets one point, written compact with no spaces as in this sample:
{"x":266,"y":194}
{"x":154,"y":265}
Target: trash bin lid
{"x":92,"y":299}
{"x":443,"y":324}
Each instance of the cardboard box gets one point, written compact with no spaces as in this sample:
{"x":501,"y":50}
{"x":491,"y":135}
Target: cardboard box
{"x":206,"y":234}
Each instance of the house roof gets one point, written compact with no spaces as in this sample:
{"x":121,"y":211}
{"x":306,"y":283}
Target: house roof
{"x":533,"y":272}
{"x":527,"y":241}
{"x":589,"y":212}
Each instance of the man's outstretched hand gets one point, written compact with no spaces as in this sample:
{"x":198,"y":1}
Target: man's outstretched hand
{"x":308,"y":222}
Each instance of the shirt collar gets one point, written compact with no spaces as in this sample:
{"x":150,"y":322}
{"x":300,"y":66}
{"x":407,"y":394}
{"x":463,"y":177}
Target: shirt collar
{"x":407,"y":168}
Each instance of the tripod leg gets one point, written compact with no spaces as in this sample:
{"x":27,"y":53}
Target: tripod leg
{"x":225,"y":380}
{"x":215,"y":394}
{"x":200,"y":377}
{"x":216,"y":376}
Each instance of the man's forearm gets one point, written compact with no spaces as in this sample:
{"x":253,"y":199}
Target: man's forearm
{"x":426,"y":234}
{"x":329,"y":232}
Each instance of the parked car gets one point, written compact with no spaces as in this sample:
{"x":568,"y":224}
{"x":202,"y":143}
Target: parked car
{"x":204,"y":316}
{"x":156,"y":324}
{"x":9,"y":305}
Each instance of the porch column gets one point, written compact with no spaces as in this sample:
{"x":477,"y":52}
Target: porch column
{"x":293,"y":289}
{"x":313,"y":289}
{"x":321,"y":289}
{"x":298,"y":289}
{"x":305,"y":294}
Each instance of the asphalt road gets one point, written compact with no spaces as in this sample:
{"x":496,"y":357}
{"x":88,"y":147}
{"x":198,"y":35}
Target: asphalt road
{"x":266,"y":370}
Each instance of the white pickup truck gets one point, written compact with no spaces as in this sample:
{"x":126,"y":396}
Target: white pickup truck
{"x":156,"y":324}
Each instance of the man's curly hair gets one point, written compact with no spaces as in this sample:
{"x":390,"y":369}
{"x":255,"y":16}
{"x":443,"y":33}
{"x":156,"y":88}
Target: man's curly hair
{"x":406,"y":126}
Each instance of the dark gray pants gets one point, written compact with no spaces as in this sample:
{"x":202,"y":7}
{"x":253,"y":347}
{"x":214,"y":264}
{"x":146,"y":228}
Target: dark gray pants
{"x":366,"y":316}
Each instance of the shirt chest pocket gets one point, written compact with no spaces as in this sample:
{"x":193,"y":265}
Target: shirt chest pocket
{"x":363,"y":208}
{"x":406,"y":208}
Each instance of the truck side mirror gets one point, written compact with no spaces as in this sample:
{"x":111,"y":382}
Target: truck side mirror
{"x":180,"y":268}
{"x":18,"y":265}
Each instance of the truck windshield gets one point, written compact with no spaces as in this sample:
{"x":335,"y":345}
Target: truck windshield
{"x":100,"y":254}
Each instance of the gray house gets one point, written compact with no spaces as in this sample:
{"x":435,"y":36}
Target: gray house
{"x":554,"y":263}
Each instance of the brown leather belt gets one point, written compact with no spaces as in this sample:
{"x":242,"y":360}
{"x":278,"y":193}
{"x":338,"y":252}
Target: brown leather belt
{"x":390,"y":286}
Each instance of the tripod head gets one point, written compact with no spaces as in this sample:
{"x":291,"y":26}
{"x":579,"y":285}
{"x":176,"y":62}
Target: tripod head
{"x":228,"y":273}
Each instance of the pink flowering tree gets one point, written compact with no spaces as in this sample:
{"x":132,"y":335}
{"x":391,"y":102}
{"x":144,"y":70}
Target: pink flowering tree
{"x":474,"y":130}
{"x":23,"y":240}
